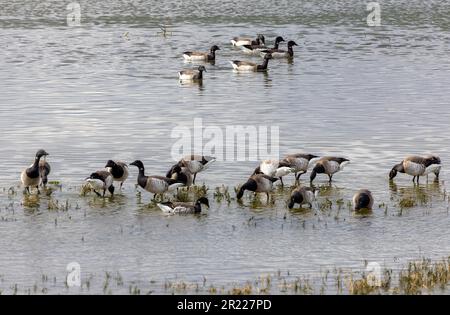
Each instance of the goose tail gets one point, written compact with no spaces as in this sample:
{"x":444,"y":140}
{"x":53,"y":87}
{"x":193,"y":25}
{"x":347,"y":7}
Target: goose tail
{"x":165,"y":208}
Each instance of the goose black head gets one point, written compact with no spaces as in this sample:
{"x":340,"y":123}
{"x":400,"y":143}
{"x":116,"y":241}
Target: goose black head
{"x":41,"y":153}
{"x":201,"y":68}
{"x":110,"y":163}
{"x":397,"y":168}
{"x":296,"y":197}
{"x":138,"y":164}
{"x":203,"y":200}
{"x":279,"y":39}
{"x":291,"y":43}
{"x":318,"y":169}
{"x":392,"y":173}
{"x":268,"y":56}
{"x":214,"y":48}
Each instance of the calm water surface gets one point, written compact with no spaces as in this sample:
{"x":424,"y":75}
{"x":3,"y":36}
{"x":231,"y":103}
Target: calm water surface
{"x":109,"y":89}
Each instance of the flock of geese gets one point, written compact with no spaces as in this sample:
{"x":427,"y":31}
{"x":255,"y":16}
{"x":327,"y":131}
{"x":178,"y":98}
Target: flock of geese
{"x":263,"y":177}
{"x":247,"y":45}
{"x":185,"y":171}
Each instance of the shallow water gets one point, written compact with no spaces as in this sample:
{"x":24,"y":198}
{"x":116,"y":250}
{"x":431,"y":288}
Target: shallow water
{"x":109,"y":89}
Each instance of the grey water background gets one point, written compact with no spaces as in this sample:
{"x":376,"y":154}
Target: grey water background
{"x":109,"y":89}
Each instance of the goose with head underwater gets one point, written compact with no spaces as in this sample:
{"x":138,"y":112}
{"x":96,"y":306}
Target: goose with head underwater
{"x":183,"y":207}
{"x":157,"y":185}
{"x":329,"y":165}
{"x":302,"y":196}
{"x":101,"y":180}
{"x":201,"y":56}
{"x":259,"y":183}
{"x":239,"y":41}
{"x":363,"y":199}
{"x":31,"y":177}
{"x":192,"y":75}
{"x":280,"y":53}
{"x":252,"y":49}
{"x":118,"y":170}
{"x":417,"y":166}
{"x":239,"y":65}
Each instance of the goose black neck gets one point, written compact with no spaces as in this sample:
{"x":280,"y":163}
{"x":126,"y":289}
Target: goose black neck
{"x":36,"y":161}
{"x":264,"y":64}
{"x":141,"y":171}
{"x":142,"y":179}
{"x":117,"y":171}
{"x":291,"y":51}
{"x":200,"y":74}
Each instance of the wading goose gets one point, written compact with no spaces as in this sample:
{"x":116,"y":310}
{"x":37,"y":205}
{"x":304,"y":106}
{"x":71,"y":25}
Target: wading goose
{"x":201,"y":56}
{"x":192,"y":75}
{"x":44,"y":171}
{"x":101,"y":180}
{"x":196,"y":164}
{"x":258,"y":183}
{"x":183,"y":207}
{"x":154,"y":184}
{"x":239,"y":41}
{"x":417,"y":166}
{"x":251,"y":66}
{"x":301,"y":196}
{"x":363,"y":200}
{"x":31,"y":176}
{"x":328,"y":165}
{"x":273,"y":168}
{"x":252,"y":49}
{"x":280,"y":53}
{"x":299,"y":162}
{"x":118,"y":170}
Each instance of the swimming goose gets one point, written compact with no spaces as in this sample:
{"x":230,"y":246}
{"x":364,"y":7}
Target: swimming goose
{"x":44,"y":171}
{"x":118,"y":170}
{"x":328,"y":165}
{"x":31,"y":176}
{"x":299,"y":162}
{"x":417,"y":166}
{"x":196,"y":164}
{"x":192,"y":75}
{"x":101,"y":180}
{"x":201,"y":56}
{"x":251,"y":49}
{"x":280,"y":53}
{"x":183,"y":207}
{"x":250,"y":66}
{"x":363,"y":200}
{"x":273,"y":168}
{"x":302,"y":195}
{"x":259,"y":183}
{"x":239,"y":41}
{"x":154,"y":184}
{"x":180,"y":174}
